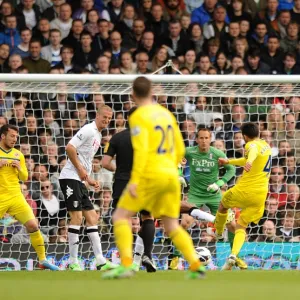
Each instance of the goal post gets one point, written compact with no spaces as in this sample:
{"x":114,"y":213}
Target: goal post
{"x":50,"y":108}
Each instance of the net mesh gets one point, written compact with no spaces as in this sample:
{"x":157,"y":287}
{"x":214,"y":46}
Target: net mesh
{"x":48,"y":114}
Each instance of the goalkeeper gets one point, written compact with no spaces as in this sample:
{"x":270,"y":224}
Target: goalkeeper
{"x":205,"y":184}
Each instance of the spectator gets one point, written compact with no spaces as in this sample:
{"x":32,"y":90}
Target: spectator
{"x":157,"y":24}
{"x":147,"y":44}
{"x":159,"y":60}
{"x":101,"y":40}
{"x":269,"y":233}
{"x":267,"y":136}
{"x":177,"y":42}
{"x":291,"y":134}
{"x":196,"y":37}
{"x":204,"y":64}
{"x":240,"y":47}
{"x":254,"y":65}
{"x":202,"y":115}
{"x":48,"y":117}
{"x":277,"y":185}
{"x":42,"y":32}
{"x":270,"y":13}
{"x":50,"y":209}
{"x":127,"y":65}
{"x":142,"y":60}
{"x":91,"y":24}
{"x":293,"y":198}
{"x":10,"y":34}
{"x":51,"y":53}
{"x":287,"y":232}
{"x":144,"y":11}
{"x":236,"y":63}
{"x":52,"y":11}
{"x":281,"y":23}
{"x":272,"y":55}
{"x":275,"y":122}
{"x":260,"y":37}
{"x":114,"y":8}
{"x":19,"y":117}
{"x":173,"y":9}
{"x":64,"y":22}
{"x":229,"y":38}
{"x":295,"y":12}
{"x":217,"y":27}
{"x":190,"y":60}
{"x":294,"y":107}
{"x":132,"y":39}
{"x":189,"y":132}
{"x":116,"y":41}
{"x":85,"y":56}
{"x":237,"y":151}
{"x":34,"y":63}
{"x":290,"y":42}
{"x":237,"y":12}
{"x":244,"y":28}
{"x":30,"y":12}
{"x":289,"y":66}
{"x":222,"y":64}
{"x":86,"y":7}
{"x":14,"y":62}
{"x":128,"y":15}
{"x":23,"y":48}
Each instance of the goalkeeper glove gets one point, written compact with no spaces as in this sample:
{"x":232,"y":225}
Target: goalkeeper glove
{"x":182,"y":181}
{"x":215,"y":187}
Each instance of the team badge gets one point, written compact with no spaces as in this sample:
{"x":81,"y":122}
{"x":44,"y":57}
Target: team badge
{"x":75,"y":204}
{"x":80,"y":136}
{"x":135,"y":131}
{"x":17,"y":154}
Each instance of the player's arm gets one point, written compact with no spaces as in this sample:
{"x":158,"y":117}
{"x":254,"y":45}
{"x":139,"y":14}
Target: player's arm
{"x":139,"y":139}
{"x":109,"y":155}
{"x":251,"y":154}
{"x":78,"y":140}
{"x":23,"y":172}
{"x":230,"y":172}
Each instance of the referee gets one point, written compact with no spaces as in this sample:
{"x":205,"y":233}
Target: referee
{"x":121,"y":147}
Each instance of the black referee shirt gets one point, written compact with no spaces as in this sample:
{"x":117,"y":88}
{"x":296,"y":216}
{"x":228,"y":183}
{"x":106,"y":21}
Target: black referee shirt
{"x":120,"y":145}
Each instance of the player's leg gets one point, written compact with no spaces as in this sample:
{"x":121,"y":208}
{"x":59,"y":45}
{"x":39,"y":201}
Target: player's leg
{"x":23,"y":213}
{"x":147,"y":234}
{"x":72,"y":191}
{"x":195,"y":212}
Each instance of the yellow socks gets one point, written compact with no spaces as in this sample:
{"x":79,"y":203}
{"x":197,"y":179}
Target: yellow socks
{"x":37,"y":243}
{"x":220,"y":222}
{"x":183,"y":242}
{"x":238,"y":242}
{"x":124,"y":240}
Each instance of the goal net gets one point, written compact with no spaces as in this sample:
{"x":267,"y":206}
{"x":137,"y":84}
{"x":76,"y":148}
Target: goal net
{"x":49,"y":109}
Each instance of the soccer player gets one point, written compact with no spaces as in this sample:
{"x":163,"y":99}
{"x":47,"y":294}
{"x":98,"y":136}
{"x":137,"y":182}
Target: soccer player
{"x":81,"y":150}
{"x":121,"y":147}
{"x":154,"y":182}
{"x":250,"y":192}
{"x":205,"y":183}
{"x":12,"y":201}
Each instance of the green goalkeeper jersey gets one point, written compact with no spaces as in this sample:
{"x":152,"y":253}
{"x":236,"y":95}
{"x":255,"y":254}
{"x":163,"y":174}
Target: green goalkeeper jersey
{"x":204,"y":170}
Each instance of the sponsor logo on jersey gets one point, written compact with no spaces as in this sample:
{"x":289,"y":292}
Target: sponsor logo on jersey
{"x":135,"y":131}
{"x":202,"y":163}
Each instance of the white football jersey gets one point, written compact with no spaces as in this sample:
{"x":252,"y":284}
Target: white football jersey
{"x":87,"y":142}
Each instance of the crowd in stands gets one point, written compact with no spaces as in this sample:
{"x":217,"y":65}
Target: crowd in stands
{"x":139,"y":37}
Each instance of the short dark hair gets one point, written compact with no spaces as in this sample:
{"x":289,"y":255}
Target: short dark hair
{"x":203,"y":128}
{"x":4,"y":129}
{"x":253,"y":52}
{"x":141,"y":87}
{"x":250,"y":130}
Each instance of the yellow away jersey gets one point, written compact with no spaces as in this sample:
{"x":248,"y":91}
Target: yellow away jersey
{"x":259,"y":153}
{"x":10,"y":176}
{"x":157,"y":142}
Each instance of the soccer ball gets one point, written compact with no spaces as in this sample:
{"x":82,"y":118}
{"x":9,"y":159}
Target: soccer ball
{"x":204,"y":255}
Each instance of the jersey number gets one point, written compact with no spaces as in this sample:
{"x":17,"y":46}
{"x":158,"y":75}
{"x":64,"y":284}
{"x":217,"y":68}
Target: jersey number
{"x":168,"y":138}
{"x":268,"y":165}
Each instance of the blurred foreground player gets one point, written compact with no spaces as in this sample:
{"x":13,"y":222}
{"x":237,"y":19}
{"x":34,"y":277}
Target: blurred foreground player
{"x":154,"y":182}
{"x":121,"y":147}
{"x":250,"y":193}
{"x":12,"y":201}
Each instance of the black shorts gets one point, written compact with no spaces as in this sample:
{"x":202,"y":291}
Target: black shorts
{"x":76,"y":195}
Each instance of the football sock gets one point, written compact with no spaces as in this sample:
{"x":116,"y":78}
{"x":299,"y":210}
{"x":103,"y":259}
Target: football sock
{"x":230,"y":238}
{"x":198,"y":214}
{"x":73,"y":237}
{"x":147,"y":233}
{"x":138,"y":250}
{"x":37,"y":243}
{"x":220,"y":222}
{"x":94,"y":237}
{"x":184,"y":244}
{"x":124,"y":240}
{"x":238,"y":242}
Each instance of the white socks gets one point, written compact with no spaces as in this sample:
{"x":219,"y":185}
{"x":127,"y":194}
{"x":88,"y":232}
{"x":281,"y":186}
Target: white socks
{"x":73,"y":235}
{"x":138,"y":250}
{"x":94,"y":237}
{"x":201,"y":215}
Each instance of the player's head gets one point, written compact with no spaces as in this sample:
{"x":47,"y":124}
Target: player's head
{"x":131,"y":111}
{"x":103,"y":117}
{"x":9,"y":136}
{"x":250,"y":131}
{"x":204,"y":139}
{"x":141,"y":90}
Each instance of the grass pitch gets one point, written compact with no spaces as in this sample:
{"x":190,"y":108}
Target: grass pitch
{"x":163,"y":285}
